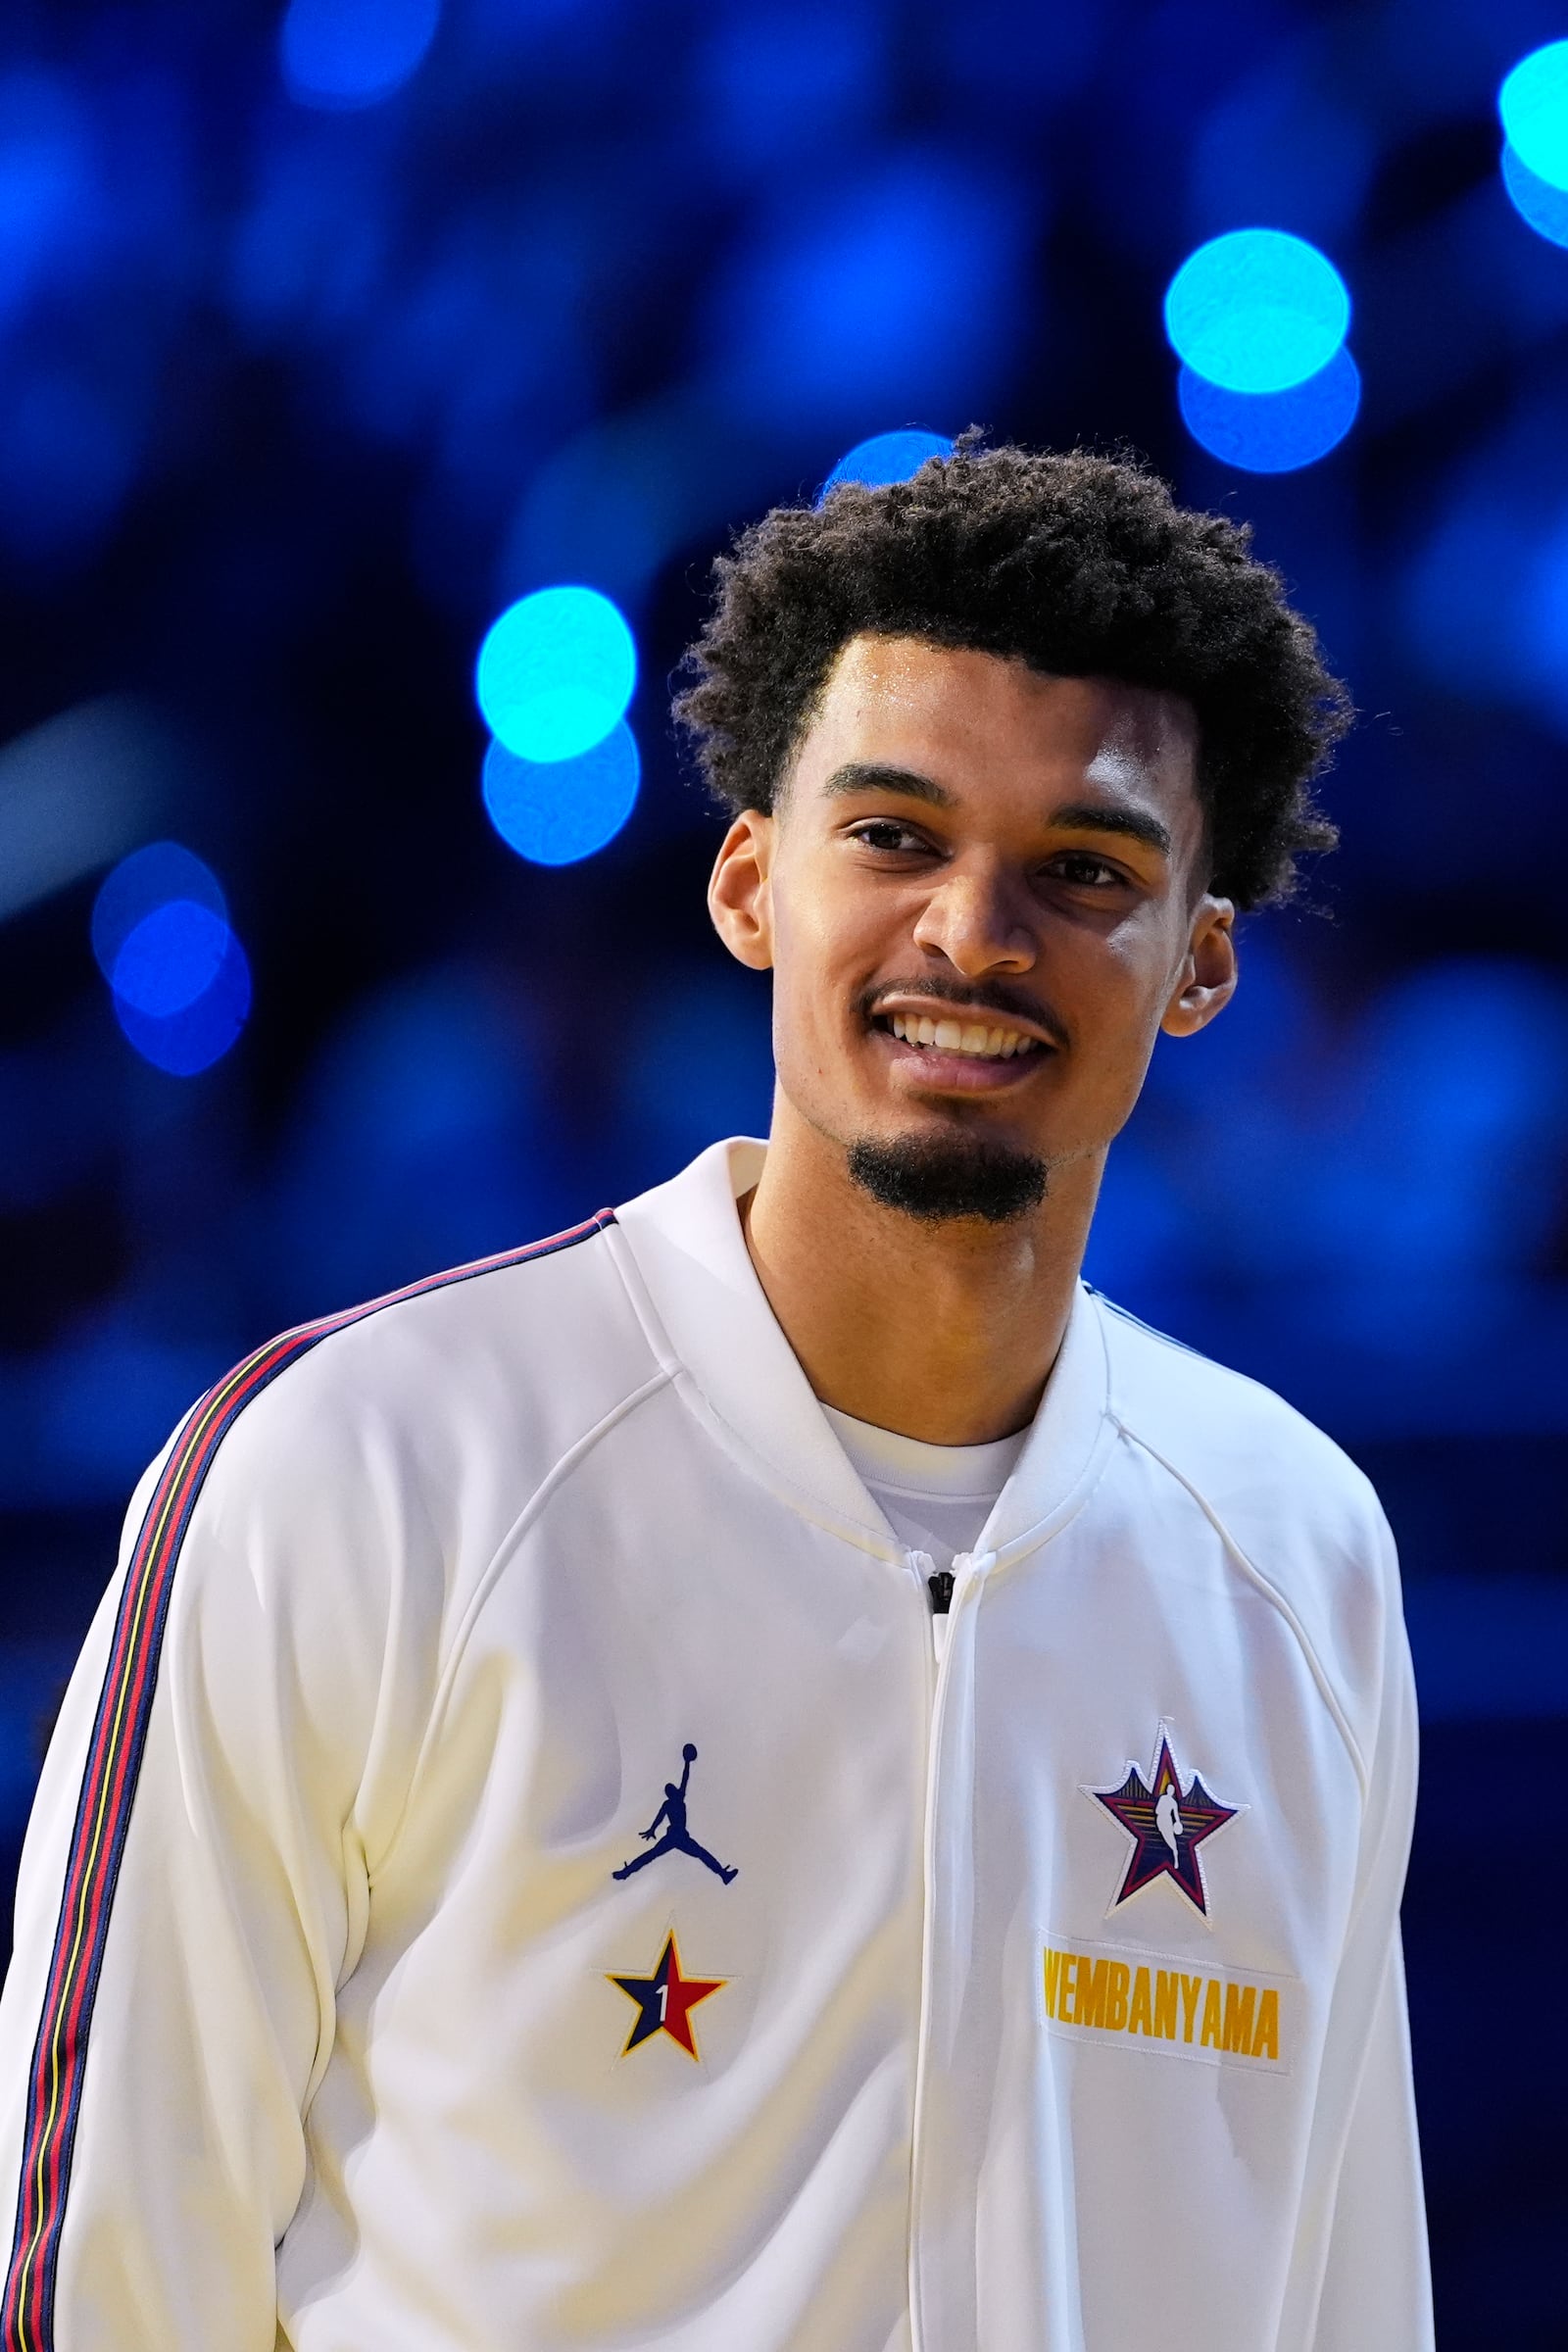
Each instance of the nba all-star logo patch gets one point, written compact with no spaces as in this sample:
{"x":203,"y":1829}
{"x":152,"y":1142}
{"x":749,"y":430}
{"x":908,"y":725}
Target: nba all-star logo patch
{"x":665,"y":2000}
{"x":1167,"y":1825}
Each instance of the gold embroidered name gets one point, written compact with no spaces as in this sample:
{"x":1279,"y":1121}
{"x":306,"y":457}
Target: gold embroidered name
{"x":1199,"y":2013}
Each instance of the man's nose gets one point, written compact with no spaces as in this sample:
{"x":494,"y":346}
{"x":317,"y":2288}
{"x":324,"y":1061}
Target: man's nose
{"x":979,"y":920}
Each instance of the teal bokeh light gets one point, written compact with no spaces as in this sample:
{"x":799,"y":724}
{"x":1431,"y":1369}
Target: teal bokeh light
{"x":556,"y":673}
{"x":1534,"y":105}
{"x":1257,"y":310}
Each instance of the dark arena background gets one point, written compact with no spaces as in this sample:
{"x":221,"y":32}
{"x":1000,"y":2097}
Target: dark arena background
{"x":332,"y":953}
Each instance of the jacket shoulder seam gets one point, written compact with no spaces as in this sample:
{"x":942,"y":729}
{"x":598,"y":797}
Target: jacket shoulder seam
{"x":485,"y":1583}
{"x":1271,"y":1592}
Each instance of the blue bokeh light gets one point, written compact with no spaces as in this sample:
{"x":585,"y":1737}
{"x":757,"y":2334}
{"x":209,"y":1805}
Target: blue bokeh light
{"x":556,"y":673}
{"x":1534,"y":199}
{"x":147,"y":880}
{"x":1534,"y":105}
{"x":888,"y":458}
{"x":555,"y":811}
{"x":903,"y":287}
{"x":47,"y":208}
{"x":171,"y":957}
{"x":178,"y":976}
{"x":192,"y":1038}
{"x":1257,"y":310}
{"x":353,"y":53}
{"x":1281,"y":144}
{"x":776,"y":79}
{"x":1273,"y":432}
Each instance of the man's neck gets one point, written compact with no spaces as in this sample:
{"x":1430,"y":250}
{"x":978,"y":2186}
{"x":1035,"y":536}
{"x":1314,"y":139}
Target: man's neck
{"x":946,"y":1330}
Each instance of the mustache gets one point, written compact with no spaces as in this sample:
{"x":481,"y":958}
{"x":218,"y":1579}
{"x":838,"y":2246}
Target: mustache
{"x":986,"y":996}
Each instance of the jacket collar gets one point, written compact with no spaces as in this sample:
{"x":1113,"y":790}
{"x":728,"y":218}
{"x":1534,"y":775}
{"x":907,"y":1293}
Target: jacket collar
{"x":686,"y":1262}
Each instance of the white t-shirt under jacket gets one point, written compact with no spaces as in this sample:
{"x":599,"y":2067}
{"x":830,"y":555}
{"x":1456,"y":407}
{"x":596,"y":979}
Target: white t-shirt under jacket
{"x":512,"y":1875}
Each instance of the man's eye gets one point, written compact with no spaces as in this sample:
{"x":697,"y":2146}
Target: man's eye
{"x":886,"y":833}
{"x":1077,"y":866}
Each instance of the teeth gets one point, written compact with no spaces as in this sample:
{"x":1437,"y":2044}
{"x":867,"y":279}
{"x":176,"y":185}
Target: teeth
{"x":960,"y":1037}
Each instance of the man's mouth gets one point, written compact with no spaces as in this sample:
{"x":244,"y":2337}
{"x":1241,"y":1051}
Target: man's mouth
{"x":981,"y":1041}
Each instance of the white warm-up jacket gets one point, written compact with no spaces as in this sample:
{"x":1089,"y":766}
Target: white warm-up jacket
{"x":1047,"y":1998}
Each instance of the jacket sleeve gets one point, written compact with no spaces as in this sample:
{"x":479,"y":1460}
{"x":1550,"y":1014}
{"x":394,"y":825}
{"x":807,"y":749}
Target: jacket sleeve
{"x":1367,"y":2284}
{"x":193,"y":1889}
{"x":1377,"y":2291}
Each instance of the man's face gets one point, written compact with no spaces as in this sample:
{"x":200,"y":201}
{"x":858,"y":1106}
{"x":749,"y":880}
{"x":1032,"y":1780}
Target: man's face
{"x":981,"y":896}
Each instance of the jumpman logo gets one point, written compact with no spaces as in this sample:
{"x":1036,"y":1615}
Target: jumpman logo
{"x":677,"y":1839}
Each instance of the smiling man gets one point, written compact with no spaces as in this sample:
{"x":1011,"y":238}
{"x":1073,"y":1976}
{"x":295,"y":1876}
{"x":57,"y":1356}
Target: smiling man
{"x":983,"y":892}
{"x":772,"y":1772}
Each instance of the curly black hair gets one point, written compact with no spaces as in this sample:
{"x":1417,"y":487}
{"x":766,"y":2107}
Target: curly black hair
{"x":1078,"y":564}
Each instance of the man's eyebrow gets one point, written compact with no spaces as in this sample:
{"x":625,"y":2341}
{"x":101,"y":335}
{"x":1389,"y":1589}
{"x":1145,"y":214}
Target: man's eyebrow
{"x":1133,"y":824}
{"x":870,"y":775}
{"x":1078,"y":817}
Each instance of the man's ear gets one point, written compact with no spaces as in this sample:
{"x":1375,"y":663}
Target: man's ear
{"x":739,"y":896}
{"x":1206,"y":981}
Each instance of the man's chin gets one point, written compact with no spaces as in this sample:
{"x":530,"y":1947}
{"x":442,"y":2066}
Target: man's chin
{"x":943,"y":1178}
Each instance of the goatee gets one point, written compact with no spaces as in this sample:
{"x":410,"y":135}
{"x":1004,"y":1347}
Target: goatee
{"x":938,"y":1178}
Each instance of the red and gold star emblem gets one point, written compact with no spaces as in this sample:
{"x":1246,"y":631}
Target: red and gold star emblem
{"x":664,"y":2001}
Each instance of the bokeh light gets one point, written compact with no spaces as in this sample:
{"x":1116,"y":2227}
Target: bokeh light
{"x":171,"y":957}
{"x":899,"y":282}
{"x":192,"y":1038}
{"x":1273,"y":432}
{"x":1257,"y":310}
{"x":148,"y":879}
{"x":1534,"y":199}
{"x":555,"y":811}
{"x":888,"y":458}
{"x":1534,"y":105}
{"x":46,"y":180}
{"x":778,"y":77}
{"x":178,"y":976}
{"x":556,"y":673}
{"x":353,"y":53}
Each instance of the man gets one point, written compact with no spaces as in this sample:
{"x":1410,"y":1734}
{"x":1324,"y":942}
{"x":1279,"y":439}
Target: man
{"x":1041,"y":1685}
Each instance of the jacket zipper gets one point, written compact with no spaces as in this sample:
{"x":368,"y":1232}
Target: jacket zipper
{"x":946,"y":1589}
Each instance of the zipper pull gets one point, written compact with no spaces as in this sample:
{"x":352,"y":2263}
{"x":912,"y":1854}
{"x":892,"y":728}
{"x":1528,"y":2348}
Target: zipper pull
{"x":940,"y":1586}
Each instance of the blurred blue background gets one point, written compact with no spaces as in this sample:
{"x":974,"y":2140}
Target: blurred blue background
{"x":330,"y":335}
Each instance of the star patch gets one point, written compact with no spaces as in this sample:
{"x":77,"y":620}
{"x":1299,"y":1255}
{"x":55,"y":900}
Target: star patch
{"x":665,"y":2000}
{"x":1166,"y":1826}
